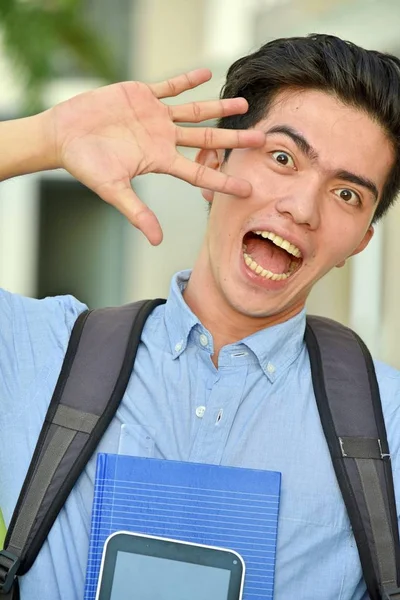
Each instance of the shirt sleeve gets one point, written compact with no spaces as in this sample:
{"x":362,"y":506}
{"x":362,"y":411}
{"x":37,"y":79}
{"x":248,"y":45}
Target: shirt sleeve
{"x":389,"y":387}
{"x":33,"y":334}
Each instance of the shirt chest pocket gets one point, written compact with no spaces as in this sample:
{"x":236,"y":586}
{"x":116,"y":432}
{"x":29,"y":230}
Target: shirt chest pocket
{"x":131,"y":440}
{"x":136,"y":440}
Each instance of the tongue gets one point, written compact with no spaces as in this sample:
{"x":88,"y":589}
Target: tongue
{"x":268,"y":256}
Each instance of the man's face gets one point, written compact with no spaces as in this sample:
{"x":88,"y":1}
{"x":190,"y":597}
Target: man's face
{"x":314,"y":195}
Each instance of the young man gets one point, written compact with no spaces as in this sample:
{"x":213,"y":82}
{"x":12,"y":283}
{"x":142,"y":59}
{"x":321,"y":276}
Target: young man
{"x":317,"y":164}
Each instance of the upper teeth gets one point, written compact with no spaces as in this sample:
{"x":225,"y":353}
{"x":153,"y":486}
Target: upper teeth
{"x":278,"y":241}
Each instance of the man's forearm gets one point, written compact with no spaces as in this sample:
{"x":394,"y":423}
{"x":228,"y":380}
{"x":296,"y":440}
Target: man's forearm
{"x":26,"y":146}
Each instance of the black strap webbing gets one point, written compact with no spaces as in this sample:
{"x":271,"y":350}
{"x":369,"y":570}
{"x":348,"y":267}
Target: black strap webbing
{"x":102,"y":350}
{"x":13,"y":593}
{"x":349,"y":405}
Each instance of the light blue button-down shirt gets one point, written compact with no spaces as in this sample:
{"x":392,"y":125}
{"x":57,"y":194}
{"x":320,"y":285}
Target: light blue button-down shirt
{"x":257,"y":410}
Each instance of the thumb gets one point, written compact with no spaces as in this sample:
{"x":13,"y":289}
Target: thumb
{"x":124,"y":199}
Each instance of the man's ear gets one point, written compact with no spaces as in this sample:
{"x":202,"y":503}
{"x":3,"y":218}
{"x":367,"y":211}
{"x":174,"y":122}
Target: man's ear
{"x":361,"y":246}
{"x":213,"y":160}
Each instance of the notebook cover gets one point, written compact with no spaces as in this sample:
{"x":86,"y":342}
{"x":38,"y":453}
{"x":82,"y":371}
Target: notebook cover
{"x":230,"y":507}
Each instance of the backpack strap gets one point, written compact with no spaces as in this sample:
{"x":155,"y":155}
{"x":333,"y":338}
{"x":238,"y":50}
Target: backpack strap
{"x":93,"y":379}
{"x":347,"y":395}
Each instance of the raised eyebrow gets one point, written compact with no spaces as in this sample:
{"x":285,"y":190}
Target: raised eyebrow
{"x":358,"y":180}
{"x":306,"y":148}
{"x":299,"y":139}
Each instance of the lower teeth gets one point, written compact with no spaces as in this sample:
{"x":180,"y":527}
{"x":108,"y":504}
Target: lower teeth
{"x":265,"y":272}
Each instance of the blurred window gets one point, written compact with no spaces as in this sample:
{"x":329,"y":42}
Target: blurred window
{"x":81,"y":244}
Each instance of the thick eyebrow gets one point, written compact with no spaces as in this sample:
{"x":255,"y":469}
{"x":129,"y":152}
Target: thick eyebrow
{"x":306,"y":148}
{"x":300,"y":141}
{"x":358,"y":180}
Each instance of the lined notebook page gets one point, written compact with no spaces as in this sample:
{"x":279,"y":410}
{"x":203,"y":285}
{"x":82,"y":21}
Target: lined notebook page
{"x":219,"y":506}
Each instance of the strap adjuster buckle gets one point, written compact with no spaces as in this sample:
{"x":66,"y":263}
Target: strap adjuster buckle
{"x":9,"y":564}
{"x":391,"y":594}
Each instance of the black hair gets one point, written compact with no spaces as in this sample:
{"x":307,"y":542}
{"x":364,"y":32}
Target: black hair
{"x":365,"y":79}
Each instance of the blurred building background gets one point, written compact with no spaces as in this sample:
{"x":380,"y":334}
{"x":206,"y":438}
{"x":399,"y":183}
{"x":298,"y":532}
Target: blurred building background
{"x":56,"y":237}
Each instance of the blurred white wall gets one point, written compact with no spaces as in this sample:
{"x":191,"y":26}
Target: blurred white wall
{"x":174,"y":36}
{"x":167,"y":40}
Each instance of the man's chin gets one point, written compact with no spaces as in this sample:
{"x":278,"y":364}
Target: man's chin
{"x":255,"y":302}
{"x":256,"y":309}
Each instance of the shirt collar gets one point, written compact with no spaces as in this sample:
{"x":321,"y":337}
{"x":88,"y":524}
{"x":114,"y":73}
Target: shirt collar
{"x":179,"y":319}
{"x":278,"y":346}
{"x":274,"y":348}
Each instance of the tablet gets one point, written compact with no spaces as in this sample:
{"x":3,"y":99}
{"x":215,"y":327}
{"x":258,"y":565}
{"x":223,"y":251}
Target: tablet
{"x":142,"y":567}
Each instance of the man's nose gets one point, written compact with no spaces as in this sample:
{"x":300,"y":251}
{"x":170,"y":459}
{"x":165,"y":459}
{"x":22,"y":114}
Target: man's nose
{"x":302,"y":204}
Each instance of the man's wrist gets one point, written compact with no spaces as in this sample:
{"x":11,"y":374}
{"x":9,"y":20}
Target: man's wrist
{"x":27,"y":145}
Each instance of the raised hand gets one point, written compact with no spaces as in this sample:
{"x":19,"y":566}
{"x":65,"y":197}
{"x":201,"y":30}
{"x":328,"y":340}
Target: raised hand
{"x":107,"y":137}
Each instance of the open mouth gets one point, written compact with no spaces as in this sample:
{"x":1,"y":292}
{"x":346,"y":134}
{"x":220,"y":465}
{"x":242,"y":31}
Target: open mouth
{"x":270,"y":256}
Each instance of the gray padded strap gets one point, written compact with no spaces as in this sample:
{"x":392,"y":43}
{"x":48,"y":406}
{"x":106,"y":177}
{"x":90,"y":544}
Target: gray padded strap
{"x":378,"y":518}
{"x":83,"y":398}
{"x":69,"y":422}
{"x":348,"y":401}
{"x":48,"y":465}
{"x":99,"y":357}
{"x":92,"y":382}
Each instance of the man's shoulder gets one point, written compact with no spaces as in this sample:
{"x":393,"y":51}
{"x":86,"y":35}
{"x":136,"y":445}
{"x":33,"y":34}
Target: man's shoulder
{"x":389,"y":385}
{"x":32,"y":330}
{"x":34,"y":336}
{"x":55,"y":310}
{"x":384,"y":370}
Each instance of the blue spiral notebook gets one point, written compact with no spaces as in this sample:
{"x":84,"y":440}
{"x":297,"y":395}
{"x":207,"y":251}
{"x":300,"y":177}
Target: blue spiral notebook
{"x":229,"y":507}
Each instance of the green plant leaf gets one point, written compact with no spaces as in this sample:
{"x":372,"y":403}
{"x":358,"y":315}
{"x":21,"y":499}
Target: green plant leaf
{"x":34,"y":34}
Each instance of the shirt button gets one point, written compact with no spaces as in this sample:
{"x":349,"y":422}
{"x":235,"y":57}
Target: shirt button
{"x":200,"y":410}
{"x":178,"y":347}
{"x":270,"y":368}
{"x":203,"y":340}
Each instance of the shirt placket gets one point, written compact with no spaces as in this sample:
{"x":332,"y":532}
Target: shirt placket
{"x":216,"y":410}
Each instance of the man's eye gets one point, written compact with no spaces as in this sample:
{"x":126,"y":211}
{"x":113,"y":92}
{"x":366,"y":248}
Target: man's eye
{"x":348,"y":196}
{"x":283,"y":158}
